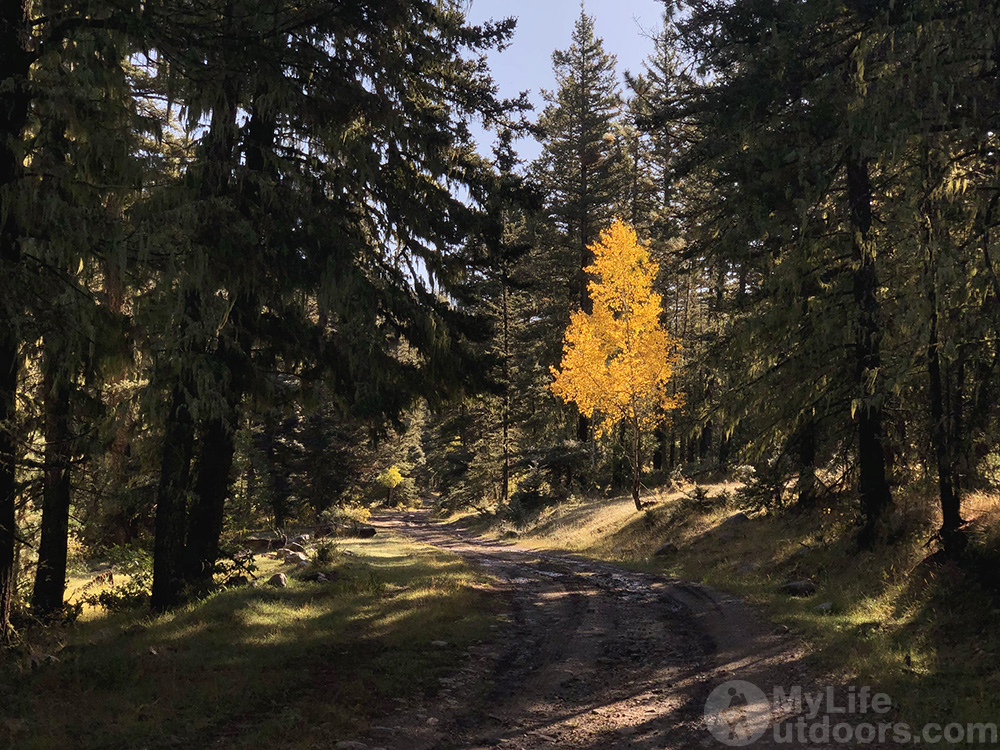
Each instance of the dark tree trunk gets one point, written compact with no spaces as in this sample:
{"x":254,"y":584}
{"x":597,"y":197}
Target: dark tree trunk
{"x":952,"y":538}
{"x":672,"y":459}
{"x":705,"y":442}
{"x":873,"y":488}
{"x":724,"y":452}
{"x":8,"y":521}
{"x":217,"y":446}
{"x":15,"y":63}
{"x":636,"y":466}
{"x":660,"y":438}
{"x":50,"y":575}
{"x":805,"y":454}
{"x":171,"y":504}
{"x":505,"y":416}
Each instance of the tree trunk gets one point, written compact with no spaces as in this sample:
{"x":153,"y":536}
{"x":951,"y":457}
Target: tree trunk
{"x":505,"y":416}
{"x":171,"y":504}
{"x":873,"y":488}
{"x":660,"y":437}
{"x":8,"y":523}
{"x":705,"y":442}
{"x":216,"y":448}
{"x":50,"y":575}
{"x":636,"y":466}
{"x":805,"y":453}
{"x":15,"y":62}
{"x":952,"y":538}
{"x":724,"y":446}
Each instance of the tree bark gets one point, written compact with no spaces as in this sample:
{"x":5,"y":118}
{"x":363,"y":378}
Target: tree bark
{"x":805,"y":453}
{"x":217,"y":447}
{"x":8,"y":521}
{"x":875,"y":497}
{"x":952,"y":538}
{"x":171,"y":504}
{"x":15,"y":63}
{"x":636,"y":466}
{"x":50,"y":575}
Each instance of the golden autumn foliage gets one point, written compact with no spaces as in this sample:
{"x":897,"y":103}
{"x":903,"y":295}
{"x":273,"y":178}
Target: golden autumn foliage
{"x":617,"y":361}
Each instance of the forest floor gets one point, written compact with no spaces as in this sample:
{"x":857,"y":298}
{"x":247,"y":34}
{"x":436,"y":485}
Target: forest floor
{"x":590,"y":656}
{"x":295,"y":668}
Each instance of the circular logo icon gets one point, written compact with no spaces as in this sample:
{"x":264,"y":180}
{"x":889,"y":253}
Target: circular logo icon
{"x":737,"y":713}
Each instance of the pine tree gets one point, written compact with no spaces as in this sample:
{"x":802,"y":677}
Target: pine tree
{"x":577,"y":170}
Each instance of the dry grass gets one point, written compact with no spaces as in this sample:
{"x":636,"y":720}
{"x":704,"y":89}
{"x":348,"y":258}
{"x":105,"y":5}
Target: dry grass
{"x":924,"y":634}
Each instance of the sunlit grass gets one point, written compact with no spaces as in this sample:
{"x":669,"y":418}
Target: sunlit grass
{"x":300,"y":667}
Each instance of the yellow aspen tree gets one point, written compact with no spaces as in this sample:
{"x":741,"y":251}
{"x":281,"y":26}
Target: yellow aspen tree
{"x":618,"y":359}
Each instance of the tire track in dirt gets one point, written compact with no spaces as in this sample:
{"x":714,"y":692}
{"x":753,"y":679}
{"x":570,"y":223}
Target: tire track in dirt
{"x":589,"y":657}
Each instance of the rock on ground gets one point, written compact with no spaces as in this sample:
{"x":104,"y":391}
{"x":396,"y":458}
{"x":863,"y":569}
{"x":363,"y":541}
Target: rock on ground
{"x":280,"y":580}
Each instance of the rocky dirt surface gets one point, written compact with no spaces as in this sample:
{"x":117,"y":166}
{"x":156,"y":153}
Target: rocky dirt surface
{"x":590,"y":657}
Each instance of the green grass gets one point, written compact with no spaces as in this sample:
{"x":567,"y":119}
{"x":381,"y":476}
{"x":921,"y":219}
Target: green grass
{"x":298,"y":668}
{"x":926,"y":636}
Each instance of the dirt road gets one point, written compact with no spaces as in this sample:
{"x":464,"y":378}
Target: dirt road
{"x":590,"y":657}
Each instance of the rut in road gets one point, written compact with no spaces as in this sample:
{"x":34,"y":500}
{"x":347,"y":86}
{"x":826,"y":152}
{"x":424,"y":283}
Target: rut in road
{"x":589,"y":657}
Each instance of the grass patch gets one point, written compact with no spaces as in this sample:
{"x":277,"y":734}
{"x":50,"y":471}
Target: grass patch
{"x":298,"y":668}
{"x":924,"y":634}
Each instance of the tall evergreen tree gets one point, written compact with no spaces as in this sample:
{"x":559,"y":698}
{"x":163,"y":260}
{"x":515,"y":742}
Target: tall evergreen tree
{"x":578,"y":170}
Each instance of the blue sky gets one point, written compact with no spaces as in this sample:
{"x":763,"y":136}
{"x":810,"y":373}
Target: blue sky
{"x":545,"y":25}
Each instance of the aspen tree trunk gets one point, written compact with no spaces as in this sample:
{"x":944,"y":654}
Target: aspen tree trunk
{"x":636,"y":465}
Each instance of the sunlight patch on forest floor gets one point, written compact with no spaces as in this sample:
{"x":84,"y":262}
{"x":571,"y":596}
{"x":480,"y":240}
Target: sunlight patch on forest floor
{"x":251,"y":667}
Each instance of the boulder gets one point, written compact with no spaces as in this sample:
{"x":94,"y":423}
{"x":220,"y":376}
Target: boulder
{"x":804,"y":587}
{"x":278,"y":580}
{"x":296,"y":558}
{"x":259,"y":544}
{"x":824,"y":607}
{"x":729,"y":528}
{"x":301,"y":539}
{"x":364,"y":532}
{"x":665,"y":550}
{"x":295,"y":547}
